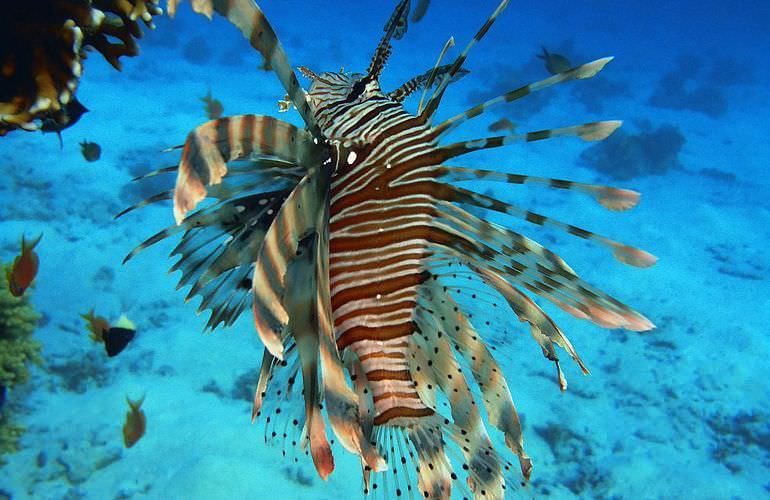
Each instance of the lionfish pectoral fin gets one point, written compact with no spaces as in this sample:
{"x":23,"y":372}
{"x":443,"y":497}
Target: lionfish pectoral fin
{"x":303,"y":325}
{"x":583,"y":71}
{"x":624,"y":253}
{"x":251,"y":21}
{"x":320,"y":450}
{"x":434,"y":481}
{"x":210,"y":146}
{"x":436,"y":320}
{"x":265,"y":370}
{"x":593,"y":131}
{"x":496,"y":395}
{"x":429,"y":436}
{"x":611,"y":198}
{"x":341,"y":402}
{"x":297,"y":217}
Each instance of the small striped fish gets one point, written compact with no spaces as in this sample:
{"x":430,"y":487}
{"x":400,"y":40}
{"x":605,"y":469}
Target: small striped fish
{"x":364,"y":266}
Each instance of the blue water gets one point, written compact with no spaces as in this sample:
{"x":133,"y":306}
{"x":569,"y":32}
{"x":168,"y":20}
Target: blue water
{"x":677,"y":412}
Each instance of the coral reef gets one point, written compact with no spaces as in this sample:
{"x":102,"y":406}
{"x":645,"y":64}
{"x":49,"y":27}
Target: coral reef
{"x":675,"y":92}
{"x":10,"y":433}
{"x":601,"y":90}
{"x":691,"y":86}
{"x":625,"y":156}
{"x":739,"y":434}
{"x":42,"y":47}
{"x":740,"y":261}
{"x":79,"y":373}
{"x":298,"y":474}
{"x":580,"y":472}
{"x":63,"y":465}
{"x":243,"y":387}
{"x":17,"y":351}
{"x":103,"y":279}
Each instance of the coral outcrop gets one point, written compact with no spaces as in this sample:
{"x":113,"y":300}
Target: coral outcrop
{"x":652,"y":151}
{"x":18,"y":350}
{"x":42,"y":47}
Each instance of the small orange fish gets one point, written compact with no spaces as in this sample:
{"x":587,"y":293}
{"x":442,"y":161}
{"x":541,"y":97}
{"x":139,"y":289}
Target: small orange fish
{"x":24,"y":269}
{"x":97,"y":325}
{"x":214,"y":108}
{"x":136,"y":423}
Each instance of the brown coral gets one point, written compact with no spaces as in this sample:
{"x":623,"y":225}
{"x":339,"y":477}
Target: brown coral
{"x":205,"y":7}
{"x":42,"y":46}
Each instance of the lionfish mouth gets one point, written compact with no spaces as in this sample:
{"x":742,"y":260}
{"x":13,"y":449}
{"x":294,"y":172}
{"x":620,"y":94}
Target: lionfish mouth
{"x":371,"y":277}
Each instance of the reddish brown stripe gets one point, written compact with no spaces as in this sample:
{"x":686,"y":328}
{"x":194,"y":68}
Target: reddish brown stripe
{"x":389,"y":355}
{"x":400,"y":126}
{"x":378,"y":375}
{"x":381,"y":263}
{"x":398,"y":318}
{"x":413,"y":268}
{"x":430,"y":188}
{"x":398,"y":411}
{"x":388,"y":215}
{"x":434,"y":235}
{"x":381,"y":333}
{"x":383,"y":287}
{"x":221,"y":137}
{"x":409,"y":395}
{"x":247,"y":131}
{"x":432,"y":174}
{"x":349,"y":260}
{"x":362,"y":311}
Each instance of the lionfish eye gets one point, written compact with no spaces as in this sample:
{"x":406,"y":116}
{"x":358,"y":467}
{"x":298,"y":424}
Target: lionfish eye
{"x":357,"y":90}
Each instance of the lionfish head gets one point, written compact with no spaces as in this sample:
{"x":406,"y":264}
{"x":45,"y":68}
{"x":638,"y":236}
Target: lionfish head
{"x":333,"y":87}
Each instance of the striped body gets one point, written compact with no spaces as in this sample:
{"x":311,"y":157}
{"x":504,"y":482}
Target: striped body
{"x":375,"y":256}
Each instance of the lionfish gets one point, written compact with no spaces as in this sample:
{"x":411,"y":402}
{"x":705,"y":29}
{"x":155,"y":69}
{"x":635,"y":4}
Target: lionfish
{"x":350,"y":244}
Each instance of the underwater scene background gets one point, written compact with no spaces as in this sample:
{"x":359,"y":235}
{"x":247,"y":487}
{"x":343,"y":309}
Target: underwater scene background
{"x":680,"y":411}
